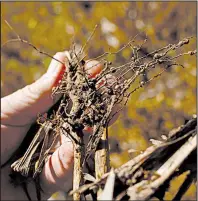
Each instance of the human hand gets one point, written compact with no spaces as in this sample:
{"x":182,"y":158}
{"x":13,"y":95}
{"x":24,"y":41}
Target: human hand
{"x":19,"y":110}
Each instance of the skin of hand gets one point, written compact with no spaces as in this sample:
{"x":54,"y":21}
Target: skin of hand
{"x":18,"y":111}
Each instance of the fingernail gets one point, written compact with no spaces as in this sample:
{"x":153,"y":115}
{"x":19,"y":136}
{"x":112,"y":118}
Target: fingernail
{"x":56,"y":63}
{"x":93,"y":67}
{"x":54,"y":67}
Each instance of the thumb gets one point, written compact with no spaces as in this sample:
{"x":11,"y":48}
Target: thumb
{"x":22,"y":107}
{"x":58,"y":170}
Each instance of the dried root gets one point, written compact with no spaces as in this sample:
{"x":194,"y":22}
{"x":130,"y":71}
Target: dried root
{"x":92,"y":102}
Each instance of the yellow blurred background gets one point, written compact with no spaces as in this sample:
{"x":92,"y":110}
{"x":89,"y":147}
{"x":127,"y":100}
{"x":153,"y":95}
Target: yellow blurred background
{"x":165,"y":103}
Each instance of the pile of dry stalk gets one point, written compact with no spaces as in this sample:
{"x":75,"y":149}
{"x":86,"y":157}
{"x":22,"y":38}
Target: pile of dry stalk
{"x":148,"y":175}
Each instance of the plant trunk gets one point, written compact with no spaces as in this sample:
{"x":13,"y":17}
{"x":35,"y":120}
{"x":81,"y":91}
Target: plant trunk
{"x":78,"y":173}
{"x":102,"y":165}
